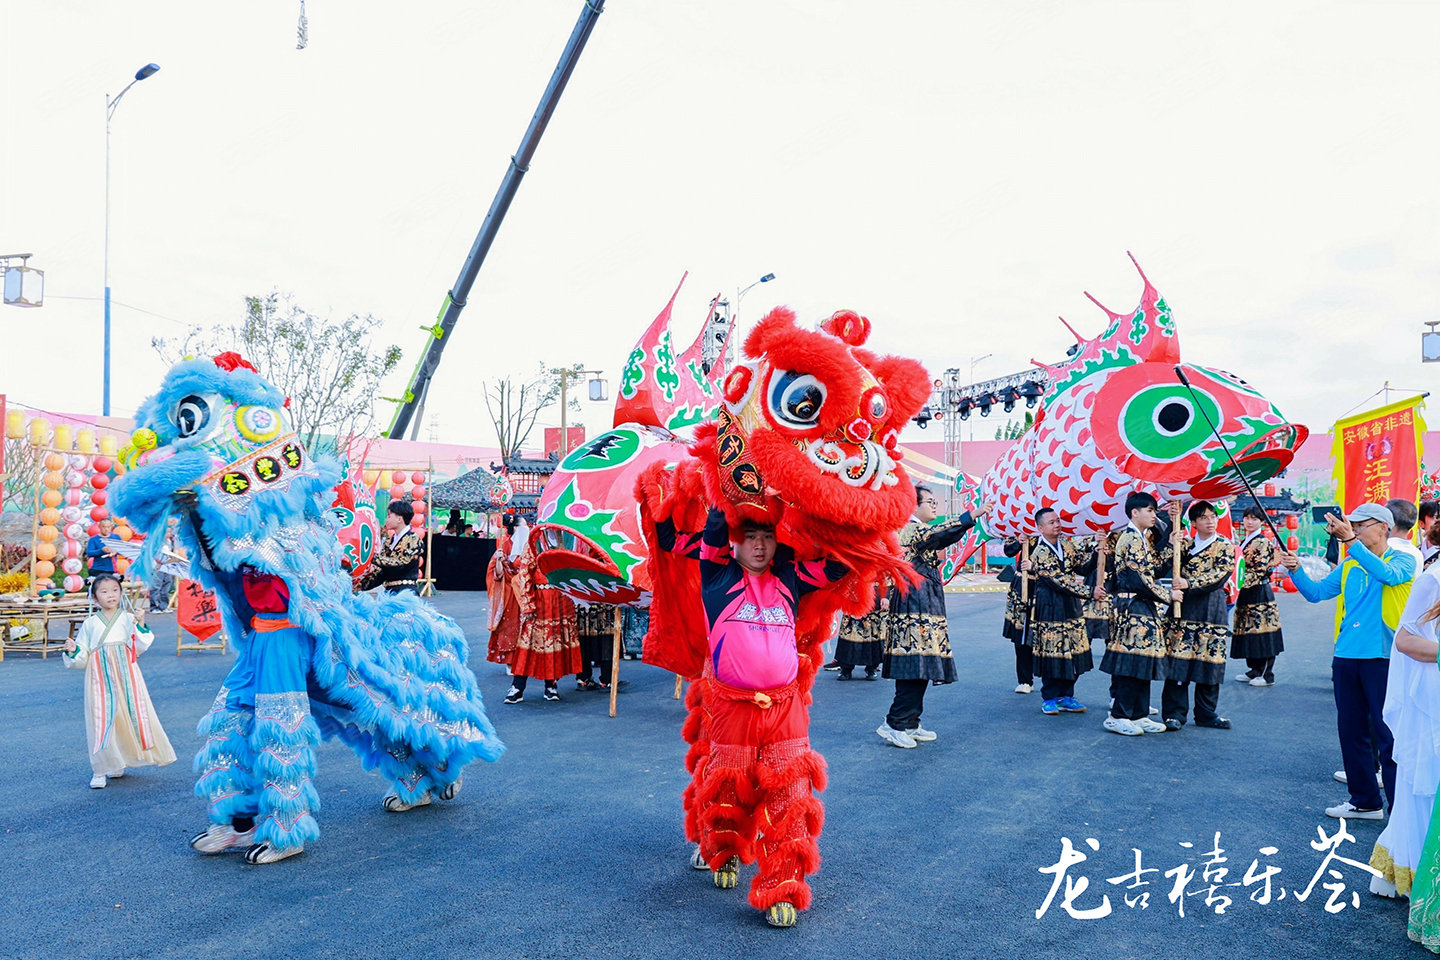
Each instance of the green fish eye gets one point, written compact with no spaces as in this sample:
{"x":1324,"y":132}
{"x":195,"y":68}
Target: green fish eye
{"x":1164,"y":424}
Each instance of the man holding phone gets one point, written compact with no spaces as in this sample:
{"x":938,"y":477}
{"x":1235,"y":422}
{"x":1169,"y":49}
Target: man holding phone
{"x":1372,"y":584}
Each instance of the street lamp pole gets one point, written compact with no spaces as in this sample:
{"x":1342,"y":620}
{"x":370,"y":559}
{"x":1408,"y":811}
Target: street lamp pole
{"x":149,"y":70}
{"x":973,"y":361}
{"x":565,"y":375}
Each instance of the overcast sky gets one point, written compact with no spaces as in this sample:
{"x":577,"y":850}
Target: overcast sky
{"x":959,"y":172}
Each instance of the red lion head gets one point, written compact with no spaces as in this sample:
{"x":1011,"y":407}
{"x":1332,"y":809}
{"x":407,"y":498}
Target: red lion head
{"x":812,"y":420}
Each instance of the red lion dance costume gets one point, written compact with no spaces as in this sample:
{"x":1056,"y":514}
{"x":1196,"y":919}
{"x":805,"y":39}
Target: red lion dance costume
{"x":805,"y":442}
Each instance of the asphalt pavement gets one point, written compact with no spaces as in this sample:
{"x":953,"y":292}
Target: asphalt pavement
{"x":571,"y":845}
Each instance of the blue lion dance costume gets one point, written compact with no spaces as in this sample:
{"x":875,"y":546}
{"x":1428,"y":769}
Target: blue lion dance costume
{"x":386,"y":674}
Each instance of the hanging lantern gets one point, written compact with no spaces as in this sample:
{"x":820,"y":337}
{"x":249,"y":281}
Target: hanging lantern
{"x":50,"y":516}
{"x":44,"y":569}
{"x":1292,"y":522}
{"x":85,"y":440}
{"x":74,"y":584}
{"x":417,"y":492}
{"x":100,"y":481}
{"x":397,"y":492}
{"x":108,"y":448}
{"x":52,"y":498}
{"x":14,"y":425}
{"x":71,"y":565}
{"x":370,"y":477}
{"x":419,"y":507}
{"x":74,"y":496}
{"x":99,"y":513}
{"x":71,"y":514}
{"x":39,"y":432}
{"x":74,"y":531}
{"x":64,"y":436}
{"x":123,"y":531}
{"x":53,"y":479}
{"x":387,"y":478}
{"x":54,"y":461}
{"x":44,"y":551}
{"x":1292,"y":543}
{"x":99,"y":497}
{"x":72,"y":549}
{"x":93,"y":530}
{"x":47,"y":533}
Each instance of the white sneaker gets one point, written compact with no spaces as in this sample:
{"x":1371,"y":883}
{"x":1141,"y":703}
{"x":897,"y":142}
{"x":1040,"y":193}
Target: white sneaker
{"x":393,"y":804}
{"x":1126,"y":728}
{"x":116,"y":776}
{"x":1154,"y":712}
{"x":264,"y":853}
{"x":921,"y":735}
{"x":1340,"y":777}
{"x":1262,"y":682}
{"x":97,"y":782}
{"x":1348,"y":811}
{"x":1023,"y":688}
{"x":697,"y":862}
{"x":1150,"y":726}
{"x":898,"y":738}
{"x":1243,"y":678}
{"x":221,"y":837}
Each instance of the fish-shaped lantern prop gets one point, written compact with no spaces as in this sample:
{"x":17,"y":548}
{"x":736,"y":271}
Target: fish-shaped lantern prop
{"x":1117,"y":418}
{"x":358,"y":524}
{"x":588,"y":538}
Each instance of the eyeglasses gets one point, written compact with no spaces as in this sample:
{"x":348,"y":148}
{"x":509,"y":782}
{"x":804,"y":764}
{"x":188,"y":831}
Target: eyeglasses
{"x":929,"y":503}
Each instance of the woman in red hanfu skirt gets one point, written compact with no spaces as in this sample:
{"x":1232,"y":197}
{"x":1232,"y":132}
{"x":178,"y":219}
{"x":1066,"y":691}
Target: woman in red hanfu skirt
{"x":548,"y":645}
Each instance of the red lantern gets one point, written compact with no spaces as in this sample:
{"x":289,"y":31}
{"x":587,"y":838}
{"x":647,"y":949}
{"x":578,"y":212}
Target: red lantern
{"x":1292,"y":522}
{"x":102,"y":465}
{"x":93,"y":530}
{"x":100,"y":481}
{"x":99,"y":497}
{"x":99,"y":513}
{"x":1292,"y":543}
{"x":417,"y":492}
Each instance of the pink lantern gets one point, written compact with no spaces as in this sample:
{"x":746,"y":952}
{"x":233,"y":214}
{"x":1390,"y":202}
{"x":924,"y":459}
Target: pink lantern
{"x":397,"y":492}
{"x":74,"y":497}
{"x":74,"y":584}
{"x":75,"y":479}
{"x":100,"y":481}
{"x":93,"y":530}
{"x":72,"y":549}
{"x":72,"y":565}
{"x":99,"y":497}
{"x":418,"y":506}
{"x":74,"y":531}
{"x":417,"y":492}
{"x":97,"y":514}
{"x":78,"y":461}
{"x":71,"y":514}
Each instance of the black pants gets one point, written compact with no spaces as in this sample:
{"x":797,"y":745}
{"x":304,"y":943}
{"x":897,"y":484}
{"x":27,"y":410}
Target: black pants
{"x":1052,"y":688}
{"x":1132,"y":698}
{"x":518,"y":682}
{"x":1024,"y":663}
{"x":589,"y":672}
{"x":1264,"y":667}
{"x":1359,"y":699}
{"x":1175,"y":701}
{"x":908,"y":704}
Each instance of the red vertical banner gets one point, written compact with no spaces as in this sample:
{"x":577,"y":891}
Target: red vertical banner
{"x":1377,"y":454}
{"x":5,"y":427}
{"x":196,"y":610}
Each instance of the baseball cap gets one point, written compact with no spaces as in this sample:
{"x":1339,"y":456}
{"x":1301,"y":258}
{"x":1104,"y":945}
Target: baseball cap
{"x":1371,"y":511}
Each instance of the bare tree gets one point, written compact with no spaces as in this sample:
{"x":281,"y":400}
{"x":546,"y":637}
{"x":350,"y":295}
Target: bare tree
{"x":22,"y":473}
{"x":330,"y":371}
{"x":514,"y":406}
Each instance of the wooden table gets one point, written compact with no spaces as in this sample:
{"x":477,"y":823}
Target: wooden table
{"x":70,"y":611}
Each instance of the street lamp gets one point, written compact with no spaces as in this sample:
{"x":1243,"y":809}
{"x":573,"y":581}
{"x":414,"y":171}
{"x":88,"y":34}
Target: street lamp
{"x":985,"y":410}
{"x":149,"y":70}
{"x":597,"y":394}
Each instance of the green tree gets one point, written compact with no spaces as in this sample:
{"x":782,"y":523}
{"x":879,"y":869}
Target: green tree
{"x":1015,"y":429}
{"x":330,"y":371}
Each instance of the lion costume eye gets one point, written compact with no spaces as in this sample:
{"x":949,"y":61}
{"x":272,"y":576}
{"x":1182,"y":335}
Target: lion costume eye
{"x":796,"y":398}
{"x":192,"y":415}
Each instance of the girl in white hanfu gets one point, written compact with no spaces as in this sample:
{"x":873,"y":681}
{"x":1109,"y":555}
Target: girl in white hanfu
{"x":120,"y":723}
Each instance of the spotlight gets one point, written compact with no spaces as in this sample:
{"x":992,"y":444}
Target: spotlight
{"x":1008,"y":396}
{"x":1031,"y":391}
{"x":923,"y":417}
{"x":963,"y":408}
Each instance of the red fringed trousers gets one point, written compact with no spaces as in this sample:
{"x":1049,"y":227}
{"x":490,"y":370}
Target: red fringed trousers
{"x":753,"y":784}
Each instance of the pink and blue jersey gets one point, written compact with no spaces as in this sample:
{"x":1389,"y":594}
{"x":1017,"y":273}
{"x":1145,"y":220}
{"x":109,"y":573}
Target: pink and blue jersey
{"x":750,"y":618}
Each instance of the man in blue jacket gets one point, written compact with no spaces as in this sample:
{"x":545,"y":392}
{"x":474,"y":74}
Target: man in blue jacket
{"x":1372,"y":583}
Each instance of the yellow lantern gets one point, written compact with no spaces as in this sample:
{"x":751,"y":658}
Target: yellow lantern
{"x":39,"y":431}
{"x":64,"y":436}
{"x":385,"y":478}
{"x":85,"y":440}
{"x":14,"y":425}
{"x":108,"y":446}
{"x":369,"y":476}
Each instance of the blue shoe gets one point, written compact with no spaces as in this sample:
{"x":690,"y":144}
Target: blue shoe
{"x":1050,"y":707}
{"x":1071,"y":705}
